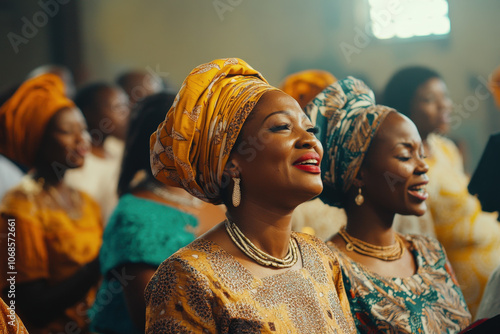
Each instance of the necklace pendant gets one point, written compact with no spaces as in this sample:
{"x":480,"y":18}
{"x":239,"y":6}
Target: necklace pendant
{"x":349,"y":247}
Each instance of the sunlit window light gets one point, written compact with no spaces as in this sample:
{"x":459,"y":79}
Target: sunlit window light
{"x":409,"y":18}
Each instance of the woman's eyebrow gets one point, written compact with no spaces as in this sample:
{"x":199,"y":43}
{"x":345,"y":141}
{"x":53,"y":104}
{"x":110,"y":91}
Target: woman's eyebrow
{"x":405,"y":144}
{"x":277,"y":112}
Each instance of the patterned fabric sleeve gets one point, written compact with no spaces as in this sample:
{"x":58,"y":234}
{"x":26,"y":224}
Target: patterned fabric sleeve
{"x":179,"y":300}
{"x":9,"y":321}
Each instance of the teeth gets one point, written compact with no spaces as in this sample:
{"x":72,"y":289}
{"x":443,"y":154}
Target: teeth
{"x":420,"y":188}
{"x":309,"y":161}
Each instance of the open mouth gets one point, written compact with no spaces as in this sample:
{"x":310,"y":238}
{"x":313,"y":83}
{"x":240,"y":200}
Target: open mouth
{"x":419,"y":191}
{"x":309,"y":162}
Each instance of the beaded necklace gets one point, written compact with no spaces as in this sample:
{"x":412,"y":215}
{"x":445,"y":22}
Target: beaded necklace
{"x":262,"y":258}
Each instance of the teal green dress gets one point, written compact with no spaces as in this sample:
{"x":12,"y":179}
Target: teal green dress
{"x":138,"y":231}
{"x":430,"y":301}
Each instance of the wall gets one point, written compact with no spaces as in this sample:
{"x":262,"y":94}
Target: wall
{"x":278,"y":37}
{"x":24,"y":41}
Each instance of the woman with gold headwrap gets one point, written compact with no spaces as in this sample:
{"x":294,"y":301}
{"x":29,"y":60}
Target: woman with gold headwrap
{"x":52,"y":232}
{"x":374,"y":169}
{"x":232,"y":138}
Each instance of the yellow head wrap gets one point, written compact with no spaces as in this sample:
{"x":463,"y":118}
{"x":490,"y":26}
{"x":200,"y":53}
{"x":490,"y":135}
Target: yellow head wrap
{"x":24,"y":117}
{"x":495,"y":86}
{"x":304,"y":86}
{"x":191,"y":147}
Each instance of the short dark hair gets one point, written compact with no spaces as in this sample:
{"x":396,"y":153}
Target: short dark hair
{"x":401,"y":88}
{"x":144,"y":120}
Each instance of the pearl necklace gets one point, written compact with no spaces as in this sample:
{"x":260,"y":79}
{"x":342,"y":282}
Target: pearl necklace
{"x":385,"y":253}
{"x":262,"y":258}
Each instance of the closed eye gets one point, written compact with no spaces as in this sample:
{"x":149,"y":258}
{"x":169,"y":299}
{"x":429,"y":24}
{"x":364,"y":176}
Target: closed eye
{"x":314,"y":130}
{"x":403,"y":158}
{"x":280,"y":127}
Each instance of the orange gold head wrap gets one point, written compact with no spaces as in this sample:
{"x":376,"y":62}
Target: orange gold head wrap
{"x":304,"y":86}
{"x":24,"y":117}
{"x":191,"y":147}
{"x":495,"y":86}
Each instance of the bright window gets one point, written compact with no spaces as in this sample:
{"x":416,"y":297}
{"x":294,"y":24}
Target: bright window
{"x":409,"y":18}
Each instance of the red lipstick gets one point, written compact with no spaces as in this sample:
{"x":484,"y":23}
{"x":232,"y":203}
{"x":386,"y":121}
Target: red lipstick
{"x":309,"y":162}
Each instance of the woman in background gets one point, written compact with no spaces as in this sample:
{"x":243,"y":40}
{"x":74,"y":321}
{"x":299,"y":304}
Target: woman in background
{"x":150,"y":223}
{"x":395,"y":283}
{"x":107,"y":113}
{"x":303,"y":86}
{"x":57,"y":228}
{"x":470,"y":236}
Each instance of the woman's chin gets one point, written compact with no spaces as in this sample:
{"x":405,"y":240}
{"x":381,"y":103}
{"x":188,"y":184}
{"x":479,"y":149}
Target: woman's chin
{"x":312,"y":192}
{"x":420,"y":211}
{"x":76,"y":163}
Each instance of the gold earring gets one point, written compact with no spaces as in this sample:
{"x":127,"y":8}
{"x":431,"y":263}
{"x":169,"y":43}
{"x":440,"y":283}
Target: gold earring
{"x":359,"y":198}
{"x":236,"y":192}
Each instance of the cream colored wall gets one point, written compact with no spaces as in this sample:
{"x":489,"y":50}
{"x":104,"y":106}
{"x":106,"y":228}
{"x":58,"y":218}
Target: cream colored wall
{"x":282,"y":36}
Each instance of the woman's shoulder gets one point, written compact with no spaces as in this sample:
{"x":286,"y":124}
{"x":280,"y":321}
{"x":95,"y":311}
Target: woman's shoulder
{"x":189,"y":261}
{"x":22,"y":198}
{"x":312,"y":241}
{"x":427,"y":247}
{"x":142,"y":231}
{"x":130,"y":204}
{"x":182,"y":269}
{"x":194,"y":255}
{"x":133,"y":211}
{"x":314,"y":247}
{"x":444,"y":147}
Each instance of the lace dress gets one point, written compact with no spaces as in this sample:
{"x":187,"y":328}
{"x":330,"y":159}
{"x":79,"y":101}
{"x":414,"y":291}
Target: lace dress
{"x":139,"y":231}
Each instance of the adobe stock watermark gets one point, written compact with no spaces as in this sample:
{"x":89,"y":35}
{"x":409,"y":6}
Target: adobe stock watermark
{"x":223,"y":6}
{"x":30,"y":28}
{"x":380,"y":19}
{"x":471,"y":103}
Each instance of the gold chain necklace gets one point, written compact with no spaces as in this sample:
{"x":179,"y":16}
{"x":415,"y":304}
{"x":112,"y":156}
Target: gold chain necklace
{"x":386,"y":253}
{"x":262,"y":258}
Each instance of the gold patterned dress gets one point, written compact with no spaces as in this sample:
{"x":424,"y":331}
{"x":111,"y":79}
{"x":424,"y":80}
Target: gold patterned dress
{"x":203,"y":289}
{"x":49,"y":245}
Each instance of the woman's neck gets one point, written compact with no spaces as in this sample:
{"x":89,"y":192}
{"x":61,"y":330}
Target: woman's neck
{"x":371,"y":225}
{"x":99,"y":150}
{"x":52,"y":175}
{"x":265,"y":228}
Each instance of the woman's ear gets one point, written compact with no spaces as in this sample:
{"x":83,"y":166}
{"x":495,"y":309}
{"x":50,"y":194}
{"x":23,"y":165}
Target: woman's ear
{"x":358,"y":180}
{"x":232,"y":168}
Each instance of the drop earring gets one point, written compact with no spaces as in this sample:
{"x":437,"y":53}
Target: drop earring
{"x":236,"y":192}
{"x":359,"y":198}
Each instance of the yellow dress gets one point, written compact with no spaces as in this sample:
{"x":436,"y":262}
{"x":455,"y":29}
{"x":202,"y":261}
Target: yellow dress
{"x":470,"y":236}
{"x":203,"y":289}
{"x":49,"y":244}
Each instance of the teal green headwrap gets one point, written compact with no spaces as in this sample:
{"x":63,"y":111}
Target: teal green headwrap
{"x":348,"y":118}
